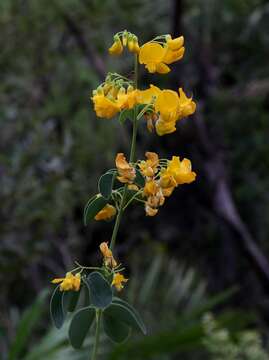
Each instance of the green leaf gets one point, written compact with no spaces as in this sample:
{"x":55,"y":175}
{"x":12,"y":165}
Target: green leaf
{"x":86,"y":294}
{"x":88,"y":203}
{"x":134,"y":312}
{"x":56,"y":308}
{"x":100,"y":290}
{"x":80,"y":325}
{"x":125,"y":114}
{"x":105,"y":184}
{"x":70,"y":300}
{"x":123,"y":314}
{"x":116,"y":330}
{"x":139,"y":179}
{"x":93,"y":208}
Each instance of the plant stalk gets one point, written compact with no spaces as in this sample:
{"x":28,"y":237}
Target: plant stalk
{"x":131,"y":159}
{"x":97,"y":335}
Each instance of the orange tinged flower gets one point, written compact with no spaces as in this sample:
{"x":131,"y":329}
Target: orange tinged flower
{"x":108,"y":255}
{"x":106,"y":213}
{"x":150,"y":166}
{"x":126,"y":172}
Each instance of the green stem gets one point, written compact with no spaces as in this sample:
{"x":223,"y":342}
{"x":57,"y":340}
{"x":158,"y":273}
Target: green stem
{"x":131,"y":159}
{"x":97,"y":335}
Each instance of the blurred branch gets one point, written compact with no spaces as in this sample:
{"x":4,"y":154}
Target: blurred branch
{"x":215,"y":168}
{"x":92,"y":57}
{"x":223,"y":202}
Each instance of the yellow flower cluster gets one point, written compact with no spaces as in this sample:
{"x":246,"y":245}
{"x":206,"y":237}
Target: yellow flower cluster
{"x":157,"y":55}
{"x":124,"y":38}
{"x":69,"y":282}
{"x":165,"y":107}
{"x":168,"y":107}
{"x":112,"y":97}
{"x":162,"y":179}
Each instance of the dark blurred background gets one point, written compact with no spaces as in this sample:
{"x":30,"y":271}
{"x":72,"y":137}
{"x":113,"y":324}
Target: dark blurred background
{"x":208,"y":244}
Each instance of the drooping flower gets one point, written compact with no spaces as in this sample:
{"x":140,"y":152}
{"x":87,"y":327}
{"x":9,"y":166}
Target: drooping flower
{"x":108,"y":255}
{"x":118,"y":280}
{"x":181,"y":170}
{"x":149,"y":167}
{"x":126,"y":171}
{"x":69,"y":283}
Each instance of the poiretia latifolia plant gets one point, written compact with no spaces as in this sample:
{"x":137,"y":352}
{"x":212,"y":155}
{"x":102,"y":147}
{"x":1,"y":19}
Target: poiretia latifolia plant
{"x":89,"y":292}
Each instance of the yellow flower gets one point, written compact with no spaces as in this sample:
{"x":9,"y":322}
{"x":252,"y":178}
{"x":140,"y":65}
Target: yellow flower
{"x":118,"y":280}
{"x":151,"y":188}
{"x":149,"y":95}
{"x":150,"y":166}
{"x":167,"y":104}
{"x":126,"y":171}
{"x":126,"y":100}
{"x":173,"y":56}
{"x":186,"y":105}
{"x":156,"y":57}
{"x":152,"y":54}
{"x":133,"y":45}
{"x":172,"y":108}
{"x":175,"y":44}
{"x":181,"y":170}
{"x":164,"y":127}
{"x":107,"y":254}
{"x":104,"y":107}
{"x":116,"y":48}
{"x":70,"y":282}
{"x":106,"y":213}
{"x":167,"y":182}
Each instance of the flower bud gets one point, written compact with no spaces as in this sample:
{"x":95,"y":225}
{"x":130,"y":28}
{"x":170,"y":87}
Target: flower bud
{"x":116,"y":48}
{"x":125,"y":37}
{"x":130,"y":89}
{"x":131,"y":43}
{"x":100,"y":90}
